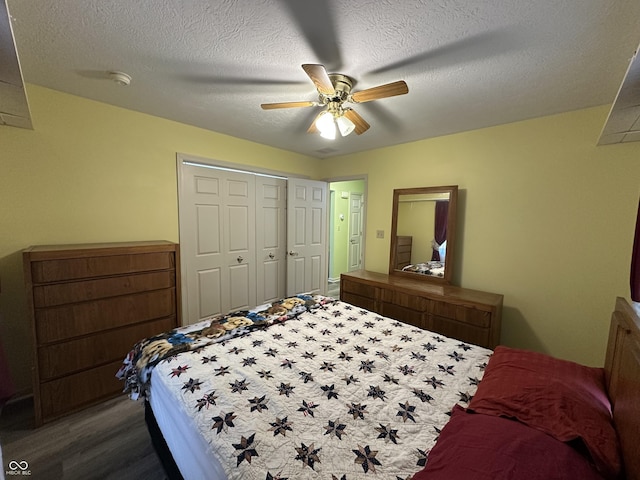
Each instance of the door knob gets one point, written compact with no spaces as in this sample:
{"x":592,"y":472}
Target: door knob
{"x":271,"y":256}
{"x":293,"y":254}
{"x":239,"y":259}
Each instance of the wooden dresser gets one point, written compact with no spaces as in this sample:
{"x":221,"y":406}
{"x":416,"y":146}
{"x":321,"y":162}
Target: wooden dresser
{"x":468,"y":315}
{"x":89,"y":305}
{"x":403,"y":251}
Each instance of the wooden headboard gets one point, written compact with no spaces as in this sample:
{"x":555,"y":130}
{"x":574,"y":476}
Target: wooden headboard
{"x":622,"y":368}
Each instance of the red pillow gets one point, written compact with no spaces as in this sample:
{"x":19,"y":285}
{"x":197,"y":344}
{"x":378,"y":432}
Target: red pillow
{"x":563,"y":399}
{"x":486,"y":447}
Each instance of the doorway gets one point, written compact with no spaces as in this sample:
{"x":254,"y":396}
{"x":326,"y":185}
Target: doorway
{"x":346,"y":230}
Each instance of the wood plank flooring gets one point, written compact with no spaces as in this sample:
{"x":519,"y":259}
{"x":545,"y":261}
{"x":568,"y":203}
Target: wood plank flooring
{"x":107,"y":441}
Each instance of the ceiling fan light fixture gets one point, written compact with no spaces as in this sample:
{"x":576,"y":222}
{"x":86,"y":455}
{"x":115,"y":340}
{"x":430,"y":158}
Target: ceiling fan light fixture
{"x":334,"y":90}
{"x":329,"y":133}
{"x":326,"y":125}
{"x":345,"y":126}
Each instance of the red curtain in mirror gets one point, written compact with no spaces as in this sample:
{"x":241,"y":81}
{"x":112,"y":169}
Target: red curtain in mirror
{"x":440,"y":228}
{"x":635,"y":262}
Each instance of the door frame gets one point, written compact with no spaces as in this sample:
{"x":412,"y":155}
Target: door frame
{"x":365,"y":195}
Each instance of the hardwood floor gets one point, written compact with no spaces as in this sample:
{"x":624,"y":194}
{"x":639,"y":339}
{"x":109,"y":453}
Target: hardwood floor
{"x":107,"y":441}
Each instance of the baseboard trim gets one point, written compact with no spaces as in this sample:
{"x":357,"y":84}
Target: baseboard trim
{"x":20,"y":397}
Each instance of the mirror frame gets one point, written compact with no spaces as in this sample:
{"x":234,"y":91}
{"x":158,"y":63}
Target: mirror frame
{"x":449,"y":260}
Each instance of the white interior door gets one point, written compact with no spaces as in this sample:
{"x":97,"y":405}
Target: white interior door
{"x":355,"y":231}
{"x":239,"y":242}
{"x":200,"y":242}
{"x":217,"y":231}
{"x":306,"y":236}
{"x":271,"y":238}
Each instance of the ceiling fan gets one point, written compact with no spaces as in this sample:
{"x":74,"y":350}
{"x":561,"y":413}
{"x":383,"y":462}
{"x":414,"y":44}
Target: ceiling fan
{"x":334,"y":90}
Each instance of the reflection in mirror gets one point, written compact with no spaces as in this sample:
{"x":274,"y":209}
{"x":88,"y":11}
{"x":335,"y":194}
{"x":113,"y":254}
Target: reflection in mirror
{"x":423,"y":232}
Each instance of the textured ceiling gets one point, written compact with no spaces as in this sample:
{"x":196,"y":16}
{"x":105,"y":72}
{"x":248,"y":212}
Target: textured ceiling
{"x":468,"y":64}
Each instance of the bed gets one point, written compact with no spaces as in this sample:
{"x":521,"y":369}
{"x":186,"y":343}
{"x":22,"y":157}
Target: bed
{"x":315,"y":388}
{"x":433,"y":268}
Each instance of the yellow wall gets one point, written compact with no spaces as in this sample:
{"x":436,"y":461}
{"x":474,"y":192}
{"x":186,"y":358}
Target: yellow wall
{"x":417,"y":220}
{"x":90,"y":172}
{"x":544,"y":217}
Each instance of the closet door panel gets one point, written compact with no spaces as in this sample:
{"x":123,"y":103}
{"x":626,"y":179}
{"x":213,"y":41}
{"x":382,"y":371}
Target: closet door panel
{"x":239,"y":291}
{"x":201,"y":215}
{"x":208,"y":229}
{"x":209,"y":285}
{"x":271,"y":232}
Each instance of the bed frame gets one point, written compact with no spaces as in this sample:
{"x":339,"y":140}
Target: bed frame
{"x":622,"y":369}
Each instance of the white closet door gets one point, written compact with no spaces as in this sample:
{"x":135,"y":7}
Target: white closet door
{"x":306,"y":236}
{"x":200,"y":242}
{"x":239,"y":233}
{"x":217,"y":231}
{"x":271,"y":246}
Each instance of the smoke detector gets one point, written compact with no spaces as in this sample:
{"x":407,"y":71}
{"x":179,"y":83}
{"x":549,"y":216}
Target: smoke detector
{"x":120,"y":78}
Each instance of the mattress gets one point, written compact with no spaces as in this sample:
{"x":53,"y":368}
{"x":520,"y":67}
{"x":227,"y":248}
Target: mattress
{"x":335,"y":392}
{"x":191,"y":452}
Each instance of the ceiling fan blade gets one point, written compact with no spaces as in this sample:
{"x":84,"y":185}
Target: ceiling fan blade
{"x":383,"y":91}
{"x":360,"y":123}
{"x":313,"y":128}
{"x":320,"y":78}
{"x":272,"y":106}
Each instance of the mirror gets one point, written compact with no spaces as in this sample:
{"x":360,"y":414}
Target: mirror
{"x":423,"y":228}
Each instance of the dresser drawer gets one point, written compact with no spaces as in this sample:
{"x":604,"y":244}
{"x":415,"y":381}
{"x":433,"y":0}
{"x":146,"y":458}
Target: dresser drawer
{"x":80,"y":390}
{"x":404,"y":257}
{"x":88,"y":352}
{"x":76,"y":268}
{"x":360,"y":289}
{"x":359,"y":301}
{"x":68,"y":321}
{"x":404,"y":241}
{"x":406,"y":315}
{"x":73,"y":292}
{"x":462,"y":331}
{"x":469,"y":315}
{"x":405,"y":300}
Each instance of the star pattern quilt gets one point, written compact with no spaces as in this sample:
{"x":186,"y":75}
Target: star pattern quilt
{"x":336,"y":392}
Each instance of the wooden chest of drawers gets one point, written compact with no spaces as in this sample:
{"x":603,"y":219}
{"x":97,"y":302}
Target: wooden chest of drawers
{"x":89,"y":305}
{"x":468,"y":315}
{"x":403,"y":251}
